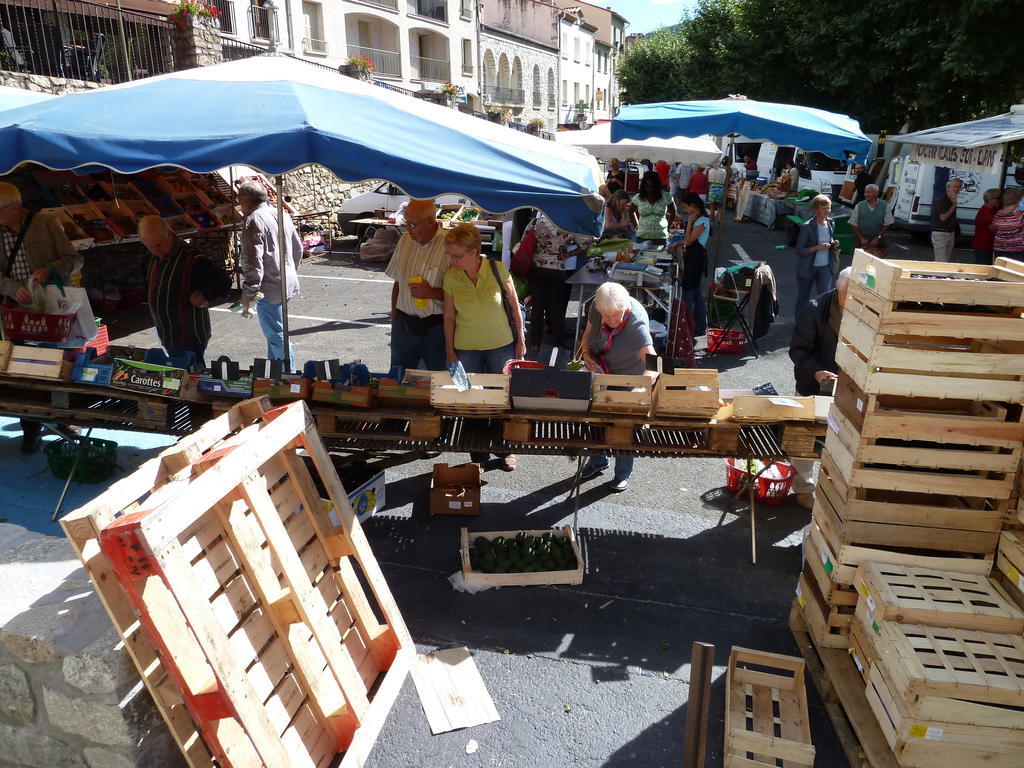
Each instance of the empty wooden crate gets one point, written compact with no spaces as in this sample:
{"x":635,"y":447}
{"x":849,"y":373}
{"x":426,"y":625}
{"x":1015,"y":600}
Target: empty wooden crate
{"x":766,"y":712}
{"x":487,"y":396}
{"x":630,"y":395}
{"x":687,"y":394}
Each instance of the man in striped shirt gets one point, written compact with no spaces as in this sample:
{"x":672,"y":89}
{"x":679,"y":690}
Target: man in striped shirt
{"x":182,"y":283}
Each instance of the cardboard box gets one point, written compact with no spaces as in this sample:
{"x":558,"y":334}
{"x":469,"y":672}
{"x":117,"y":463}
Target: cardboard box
{"x":149,"y":378}
{"x":295,"y":388}
{"x":227,"y":387}
{"x":455,"y":490}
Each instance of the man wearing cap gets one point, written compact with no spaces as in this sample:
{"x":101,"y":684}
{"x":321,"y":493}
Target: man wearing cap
{"x":417,"y":309}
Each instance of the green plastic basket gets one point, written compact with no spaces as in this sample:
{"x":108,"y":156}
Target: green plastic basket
{"x":97,"y":462}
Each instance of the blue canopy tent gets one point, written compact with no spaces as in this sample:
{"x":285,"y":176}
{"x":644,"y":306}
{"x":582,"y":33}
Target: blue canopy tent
{"x":19,"y":97}
{"x":276,"y":114}
{"x":813,"y":130}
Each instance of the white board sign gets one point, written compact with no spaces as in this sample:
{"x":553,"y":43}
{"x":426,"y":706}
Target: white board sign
{"x":766,"y":159}
{"x":987,"y":159}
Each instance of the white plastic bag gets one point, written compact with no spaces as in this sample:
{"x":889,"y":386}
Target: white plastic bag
{"x":71,"y":300}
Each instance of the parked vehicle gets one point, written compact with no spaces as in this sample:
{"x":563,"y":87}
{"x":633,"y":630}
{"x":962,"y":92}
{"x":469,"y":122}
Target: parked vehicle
{"x":915,"y":186}
{"x":384,"y":197}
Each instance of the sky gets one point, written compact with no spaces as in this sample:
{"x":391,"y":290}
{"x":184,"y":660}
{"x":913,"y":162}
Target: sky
{"x":648,"y":15}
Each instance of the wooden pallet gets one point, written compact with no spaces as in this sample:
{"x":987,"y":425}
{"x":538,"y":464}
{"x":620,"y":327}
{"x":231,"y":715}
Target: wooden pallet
{"x":943,"y":526}
{"x":842,"y":691}
{"x":616,"y":431}
{"x":957,"y":284}
{"x":766,"y":712}
{"x":489,"y":395}
{"x":413,"y":426}
{"x":252,"y":596}
{"x":911,"y":595}
{"x":630,"y":395}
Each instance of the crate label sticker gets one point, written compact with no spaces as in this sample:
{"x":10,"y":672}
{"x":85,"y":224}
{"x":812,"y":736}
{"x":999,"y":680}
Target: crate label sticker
{"x":832,"y":423}
{"x":90,"y":374}
{"x":876,"y":628}
{"x":800,"y":596}
{"x":860,"y":405}
{"x":172,"y":383}
{"x":827,"y":562}
{"x":332,"y":515}
{"x":454,"y":505}
{"x":295,"y":388}
{"x":467,"y":504}
{"x":918,"y":731}
{"x":1015,"y":577}
{"x":862,"y":588}
{"x":856,"y":661}
{"x":871,"y":604}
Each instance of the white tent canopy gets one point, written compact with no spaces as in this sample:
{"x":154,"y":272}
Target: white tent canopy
{"x":598,"y":142}
{"x":977,"y":145}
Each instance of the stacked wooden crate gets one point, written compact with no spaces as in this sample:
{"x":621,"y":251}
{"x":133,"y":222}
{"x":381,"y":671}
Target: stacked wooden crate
{"x":942,"y":656}
{"x":921,"y":460}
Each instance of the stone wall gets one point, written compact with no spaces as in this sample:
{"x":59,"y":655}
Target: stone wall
{"x":197,"y":44}
{"x":69,"y":693}
{"x":494,"y":45}
{"x":44,"y":84}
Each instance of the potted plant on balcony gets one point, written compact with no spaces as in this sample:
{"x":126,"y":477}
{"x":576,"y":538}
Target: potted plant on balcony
{"x":535,"y":126}
{"x":192,"y":11}
{"x":358,"y":67}
{"x":450,"y":91}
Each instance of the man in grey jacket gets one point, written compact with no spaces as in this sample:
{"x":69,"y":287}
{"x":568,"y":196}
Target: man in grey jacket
{"x":261,"y":254}
{"x":31,"y":246}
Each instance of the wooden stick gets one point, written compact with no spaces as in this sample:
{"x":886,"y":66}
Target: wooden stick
{"x":753,"y":520}
{"x":702,"y":657}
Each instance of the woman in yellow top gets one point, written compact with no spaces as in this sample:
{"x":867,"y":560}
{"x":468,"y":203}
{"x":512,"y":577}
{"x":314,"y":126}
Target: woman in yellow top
{"x":477,"y":331}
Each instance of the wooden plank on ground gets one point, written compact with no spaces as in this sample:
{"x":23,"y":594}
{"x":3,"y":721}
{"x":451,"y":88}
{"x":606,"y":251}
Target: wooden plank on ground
{"x":451,"y":690}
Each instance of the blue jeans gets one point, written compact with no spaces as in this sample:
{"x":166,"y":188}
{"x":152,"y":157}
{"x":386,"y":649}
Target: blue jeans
{"x":623,"y":465}
{"x":485,"y":361}
{"x":694,"y":297}
{"x":417,"y":350}
{"x":822,"y":279}
{"x":272,"y":323}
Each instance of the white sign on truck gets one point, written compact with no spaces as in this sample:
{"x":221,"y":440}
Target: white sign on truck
{"x":985,"y":159}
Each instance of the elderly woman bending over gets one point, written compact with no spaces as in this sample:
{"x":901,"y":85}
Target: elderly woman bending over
{"x":617,"y":340}
{"x":479,"y":300}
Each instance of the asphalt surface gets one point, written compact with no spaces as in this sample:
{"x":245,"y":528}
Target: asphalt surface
{"x":594,"y":675}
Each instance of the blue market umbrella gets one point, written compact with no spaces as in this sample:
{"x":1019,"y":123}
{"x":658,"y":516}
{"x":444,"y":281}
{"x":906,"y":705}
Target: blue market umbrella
{"x":19,"y":97}
{"x":276,"y":114}
{"x":813,"y":130}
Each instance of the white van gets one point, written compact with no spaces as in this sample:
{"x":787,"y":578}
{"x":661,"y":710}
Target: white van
{"x":912,"y":198}
{"x":818,"y":172}
{"x":386,"y":197}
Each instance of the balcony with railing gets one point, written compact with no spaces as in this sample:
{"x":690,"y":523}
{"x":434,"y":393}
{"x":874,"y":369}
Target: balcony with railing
{"x":226,"y":21}
{"x":262,"y":24}
{"x":430,"y":9}
{"x":314,"y":46}
{"x":391,"y":5}
{"x":83,"y":41}
{"x":386,"y":63}
{"x":514,"y":97}
{"x":431,"y":69}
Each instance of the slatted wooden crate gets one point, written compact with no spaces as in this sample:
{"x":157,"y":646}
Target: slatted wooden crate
{"x":766,"y":714}
{"x":964,"y":342}
{"x":38,"y":363}
{"x":249,"y":596}
{"x":573,"y":576}
{"x":924,"y":596}
{"x":940,"y":527}
{"x":862,"y":652}
{"x":826,"y":571}
{"x":981,"y":472}
{"x":621,"y":394}
{"x":932,"y":282}
{"x":1010,"y":564}
{"x":764,"y":408}
{"x":488,"y":396}
{"x":5,"y":354}
{"x":689,"y":393}
{"x":828,"y":624}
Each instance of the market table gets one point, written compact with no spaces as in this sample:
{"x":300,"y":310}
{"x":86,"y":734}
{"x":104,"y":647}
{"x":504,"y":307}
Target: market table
{"x":650,"y":286}
{"x":764,"y":209}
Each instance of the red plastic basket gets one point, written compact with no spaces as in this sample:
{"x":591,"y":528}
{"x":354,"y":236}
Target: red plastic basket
{"x":23,"y":325}
{"x":769,"y":490}
{"x":729,"y":342}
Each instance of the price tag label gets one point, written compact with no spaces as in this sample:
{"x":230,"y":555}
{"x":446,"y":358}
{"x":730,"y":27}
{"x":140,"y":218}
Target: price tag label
{"x":918,"y":731}
{"x":295,"y":388}
{"x":1015,"y":577}
{"x":863,"y":589}
{"x":871,"y":604}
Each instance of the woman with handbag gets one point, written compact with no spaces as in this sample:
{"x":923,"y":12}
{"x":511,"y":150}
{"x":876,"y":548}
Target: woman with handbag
{"x":555,"y":250}
{"x":817,"y":254}
{"x":483,"y":327}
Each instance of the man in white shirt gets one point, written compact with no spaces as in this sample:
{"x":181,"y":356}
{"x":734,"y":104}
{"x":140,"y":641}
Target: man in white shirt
{"x":417,"y":309}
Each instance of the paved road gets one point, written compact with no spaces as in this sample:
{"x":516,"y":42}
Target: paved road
{"x":594,"y":675}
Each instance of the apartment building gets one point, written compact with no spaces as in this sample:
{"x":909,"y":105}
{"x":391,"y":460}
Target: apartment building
{"x":576,"y":41}
{"x":414,"y":44}
{"x":609,"y":43}
{"x":519,"y":60}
